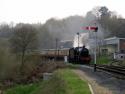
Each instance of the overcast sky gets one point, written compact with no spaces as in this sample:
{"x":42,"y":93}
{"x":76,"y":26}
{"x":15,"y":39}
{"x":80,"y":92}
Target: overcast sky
{"x":33,"y":11}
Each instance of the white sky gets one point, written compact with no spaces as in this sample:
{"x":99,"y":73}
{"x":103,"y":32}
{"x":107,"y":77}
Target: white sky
{"x":33,"y":11}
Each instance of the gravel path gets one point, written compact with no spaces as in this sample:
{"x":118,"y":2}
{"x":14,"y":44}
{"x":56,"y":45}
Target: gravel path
{"x":101,"y":82}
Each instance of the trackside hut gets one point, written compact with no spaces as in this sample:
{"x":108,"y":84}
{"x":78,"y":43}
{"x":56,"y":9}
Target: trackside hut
{"x":112,"y":45}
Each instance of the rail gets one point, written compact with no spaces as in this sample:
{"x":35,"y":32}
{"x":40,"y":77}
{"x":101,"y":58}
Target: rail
{"x":117,"y":71}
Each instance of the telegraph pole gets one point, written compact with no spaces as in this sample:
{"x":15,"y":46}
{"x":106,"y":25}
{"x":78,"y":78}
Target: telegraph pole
{"x":78,"y":38}
{"x":78,"y":46}
{"x":56,"y":49}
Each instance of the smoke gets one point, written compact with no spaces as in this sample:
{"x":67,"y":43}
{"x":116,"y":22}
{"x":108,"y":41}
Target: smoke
{"x":83,"y":40}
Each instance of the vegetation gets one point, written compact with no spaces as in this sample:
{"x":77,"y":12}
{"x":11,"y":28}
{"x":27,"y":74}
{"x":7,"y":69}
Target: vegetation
{"x":63,"y":82}
{"x":74,"y":84}
{"x":23,"y":89}
{"x":103,"y":60}
{"x":111,"y":22}
{"x":73,"y":65}
{"x":8,"y":63}
{"x":24,"y":40}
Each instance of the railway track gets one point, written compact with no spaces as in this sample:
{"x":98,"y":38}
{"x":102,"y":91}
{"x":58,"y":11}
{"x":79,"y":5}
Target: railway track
{"x":117,"y":71}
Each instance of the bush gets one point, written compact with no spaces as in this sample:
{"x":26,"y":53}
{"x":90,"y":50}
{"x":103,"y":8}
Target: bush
{"x":8,"y":64}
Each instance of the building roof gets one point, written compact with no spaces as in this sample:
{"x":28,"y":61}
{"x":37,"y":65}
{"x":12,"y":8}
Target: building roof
{"x":113,"y":40}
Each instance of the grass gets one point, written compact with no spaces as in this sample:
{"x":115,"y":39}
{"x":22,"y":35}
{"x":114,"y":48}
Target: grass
{"x":23,"y":89}
{"x":63,"y":81}
{"x":103,"y":60}
{"x":74,"y":85}
{"x":72,"y":66}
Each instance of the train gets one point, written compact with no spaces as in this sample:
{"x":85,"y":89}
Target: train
{"x":79,"y":55}
{"x":75,"y":55}
{"x":57,"y":54}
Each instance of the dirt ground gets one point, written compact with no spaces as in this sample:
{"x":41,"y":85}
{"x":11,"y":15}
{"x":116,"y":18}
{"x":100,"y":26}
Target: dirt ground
{"x":97,"y":89}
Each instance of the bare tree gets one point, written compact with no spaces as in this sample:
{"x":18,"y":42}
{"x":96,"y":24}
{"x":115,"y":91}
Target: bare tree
{"x":24,"y":40}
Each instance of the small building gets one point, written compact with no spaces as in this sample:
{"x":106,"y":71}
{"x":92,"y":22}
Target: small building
{"x":112,"y":45}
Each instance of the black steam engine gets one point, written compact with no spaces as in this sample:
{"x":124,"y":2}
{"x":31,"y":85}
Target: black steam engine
{"x":79,"y":55}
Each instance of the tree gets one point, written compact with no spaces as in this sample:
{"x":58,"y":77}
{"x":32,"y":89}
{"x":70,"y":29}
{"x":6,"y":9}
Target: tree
{"x":44,"y":37}
{"x":111,"y":23}
{"x":24,"y":40}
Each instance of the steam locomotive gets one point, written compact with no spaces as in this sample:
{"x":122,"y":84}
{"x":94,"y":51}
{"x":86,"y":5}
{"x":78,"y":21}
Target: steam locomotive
{"x":75,"y":55}
{"x":79,"y":55}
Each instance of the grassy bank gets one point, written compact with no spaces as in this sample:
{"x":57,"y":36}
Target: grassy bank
{"x":74,"y":85}
{"x":63,"y":82}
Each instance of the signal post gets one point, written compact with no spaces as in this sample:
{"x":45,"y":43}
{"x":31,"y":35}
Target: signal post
{"x":94,"y":29}
{"x":95,"y":56}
